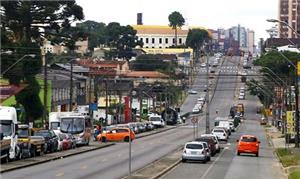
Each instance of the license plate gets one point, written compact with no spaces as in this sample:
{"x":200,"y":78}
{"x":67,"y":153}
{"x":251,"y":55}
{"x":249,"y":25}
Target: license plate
{"x":193,"y":153}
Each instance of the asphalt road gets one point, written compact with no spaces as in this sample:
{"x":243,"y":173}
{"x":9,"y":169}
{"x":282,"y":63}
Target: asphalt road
{"x":227,"y":164}
{"x":112,"y":162}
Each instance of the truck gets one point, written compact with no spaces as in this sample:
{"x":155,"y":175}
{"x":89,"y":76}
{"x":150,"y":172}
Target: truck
{"x":29,"y":145}
{"x":8,"y":133}
{"x":241,"y":109}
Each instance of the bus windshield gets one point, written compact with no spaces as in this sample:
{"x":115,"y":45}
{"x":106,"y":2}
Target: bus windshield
{"x":6,"y":128}
{"x":72,"y":125}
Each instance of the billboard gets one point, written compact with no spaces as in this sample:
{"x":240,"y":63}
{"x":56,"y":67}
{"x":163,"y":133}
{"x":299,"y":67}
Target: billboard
{"x":290,"y":128}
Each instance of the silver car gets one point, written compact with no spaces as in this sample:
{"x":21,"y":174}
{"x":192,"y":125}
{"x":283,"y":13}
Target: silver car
{"x":194,"y":151}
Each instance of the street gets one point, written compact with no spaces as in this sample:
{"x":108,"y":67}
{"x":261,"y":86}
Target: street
{"x":112,"y":162}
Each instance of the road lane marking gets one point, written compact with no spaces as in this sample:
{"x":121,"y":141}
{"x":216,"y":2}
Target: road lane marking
{"x":210,"y":167}
{"x":59,"y":174}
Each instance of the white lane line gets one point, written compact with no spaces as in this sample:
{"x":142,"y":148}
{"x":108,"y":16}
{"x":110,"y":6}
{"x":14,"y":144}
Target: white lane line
{"x":210,"y":167}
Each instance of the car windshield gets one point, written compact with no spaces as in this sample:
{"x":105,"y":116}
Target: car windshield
{"x":194,"y":146}
{"x":42,"y":133}
{"x":154,"y":118}
{"x":249,"y":139}
{"x":6,"y":128}
{"x":72,"y":125}
{"x":219,"y":131}
{"x":55,"y":125}
{"x":23,"y":133}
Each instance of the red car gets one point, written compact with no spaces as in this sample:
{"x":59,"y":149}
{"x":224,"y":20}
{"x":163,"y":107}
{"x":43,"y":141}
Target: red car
{"x":66,"y":141}
{"x":248,"y":144}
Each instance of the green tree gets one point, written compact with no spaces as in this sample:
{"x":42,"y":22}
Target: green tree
{"x":121,"y":40}
{"x":176,"y":20}
{"x":95,"y":32}
{"x":195,"y":40}
{"x":24,"y":25}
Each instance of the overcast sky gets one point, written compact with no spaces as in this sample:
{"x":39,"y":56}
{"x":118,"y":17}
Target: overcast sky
{"x":212,"y":14}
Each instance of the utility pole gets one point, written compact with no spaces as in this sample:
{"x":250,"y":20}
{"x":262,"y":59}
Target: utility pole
{"x":297,"y":109}
{"x":90,"y":96}
{"x":106,"y":102}
{"x":71,"y":87}
{"x":44,"y":118}
{"x":207,"y":129}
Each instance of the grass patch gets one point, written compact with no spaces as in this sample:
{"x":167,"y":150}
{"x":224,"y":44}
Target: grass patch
{"x":287,"y":157}
{"x":294,"y":175}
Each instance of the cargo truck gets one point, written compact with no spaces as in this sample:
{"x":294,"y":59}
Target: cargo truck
{"x":8,"y":133}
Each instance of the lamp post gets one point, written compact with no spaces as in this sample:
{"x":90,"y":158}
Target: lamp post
{"x":285,"y":23}
{"x":11,"y":66}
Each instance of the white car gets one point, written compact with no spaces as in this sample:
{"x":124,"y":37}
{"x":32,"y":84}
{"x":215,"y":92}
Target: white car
{"x":201,"y":99}
{"x":196,"y":110}
{"x":241,"y":97}
{"x":203,"y":65}
{"x":194,"y":151}
{"x":192,"y":92}
{"x":225,"y":124}
{"x":220,"y":133}
{"x":157,"y":120}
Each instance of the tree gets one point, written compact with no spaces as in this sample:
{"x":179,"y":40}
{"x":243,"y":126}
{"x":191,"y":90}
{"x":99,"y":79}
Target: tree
{"x":176,"y":20}
{"x":24,"y":26}
{"x":121,"y":40}
{"x":95,"y":32}
{"x":195,"y":40}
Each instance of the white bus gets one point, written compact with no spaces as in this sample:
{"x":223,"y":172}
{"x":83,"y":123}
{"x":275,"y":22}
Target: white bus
{"x":73,"y":123}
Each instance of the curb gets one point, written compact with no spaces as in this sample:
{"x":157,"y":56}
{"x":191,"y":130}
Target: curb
{"x":166,"y":169}
{"x":55,"y":158}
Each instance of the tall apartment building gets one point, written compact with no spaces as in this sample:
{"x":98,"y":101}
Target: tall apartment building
{"x":289,"y":12}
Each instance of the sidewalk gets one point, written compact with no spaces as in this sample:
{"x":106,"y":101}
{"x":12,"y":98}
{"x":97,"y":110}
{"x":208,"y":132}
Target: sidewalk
{"x":287,"y":154}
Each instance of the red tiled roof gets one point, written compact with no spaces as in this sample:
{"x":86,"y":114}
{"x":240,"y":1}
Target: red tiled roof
{"x":100,"y":64}
{"x":7,"y":91}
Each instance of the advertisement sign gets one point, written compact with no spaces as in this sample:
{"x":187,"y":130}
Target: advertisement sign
{"x":290,"y":128}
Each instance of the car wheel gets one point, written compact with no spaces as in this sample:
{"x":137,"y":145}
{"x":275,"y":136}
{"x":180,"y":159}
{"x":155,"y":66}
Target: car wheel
{"x":103,"y":139}
{"x":183,"y":160}
{"x":208,"y":159}
{"x":126,"y":139}
{"x":238,"y":153}
{"x":204,"y":161}
{"x":256,"y":154}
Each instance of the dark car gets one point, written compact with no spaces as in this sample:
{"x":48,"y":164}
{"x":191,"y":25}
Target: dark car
{"x":211,"y":144}
{"x":50,"y":139}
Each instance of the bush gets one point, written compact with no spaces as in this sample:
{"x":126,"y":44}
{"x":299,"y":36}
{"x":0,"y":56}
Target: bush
{"x":294,"y":175}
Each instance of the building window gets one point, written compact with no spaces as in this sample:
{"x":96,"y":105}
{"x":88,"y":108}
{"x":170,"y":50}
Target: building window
{"x":180,"y":41}
{"x":141,"y":39}
{"x":173,"y":40}
{"x":153,"y":40}
{"x":147,"y":40}
{"x":167,"y":40}
{"x":160,"y":40}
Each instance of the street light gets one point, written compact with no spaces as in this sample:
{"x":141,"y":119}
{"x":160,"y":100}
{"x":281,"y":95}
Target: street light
{"x":11,"y":66}
{"x":285,"y":23}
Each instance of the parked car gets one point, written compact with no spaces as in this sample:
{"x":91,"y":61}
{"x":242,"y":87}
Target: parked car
{"x":216,"y":141}
{"x":141,"y":127}
{"x":117,"y":134}
{"x":149,"y":126}
{"x":241,"y":97}
{"x":73,"y":140}
{"x":194,"y":151}
{"x":67,"y":142}
{"x":263,"y":121}
{"x":51,"y":139}
{"x":157,"y":120}
{"x":211,"y":143}
{"x":248,"y":144}
{"x":220,"y":133}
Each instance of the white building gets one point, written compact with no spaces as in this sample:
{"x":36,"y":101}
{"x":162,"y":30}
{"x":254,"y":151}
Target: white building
{"x":155,"y":36}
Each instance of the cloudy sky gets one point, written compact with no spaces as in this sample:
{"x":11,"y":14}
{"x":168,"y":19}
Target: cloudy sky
{"x":213,"y":14}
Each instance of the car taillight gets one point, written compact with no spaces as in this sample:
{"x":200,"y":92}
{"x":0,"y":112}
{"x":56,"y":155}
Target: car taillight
{"x":184,"y":151}
{"x":256,"y":145}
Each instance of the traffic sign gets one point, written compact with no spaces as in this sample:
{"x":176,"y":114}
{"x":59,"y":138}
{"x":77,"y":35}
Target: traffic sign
{"x":194,"y":120}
